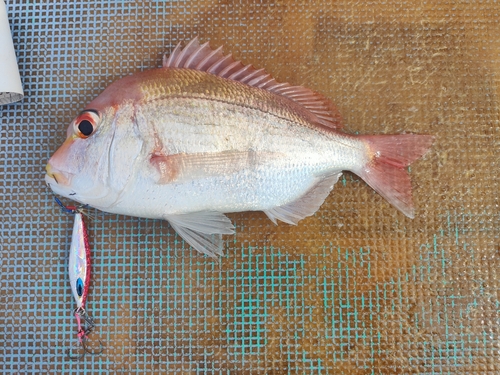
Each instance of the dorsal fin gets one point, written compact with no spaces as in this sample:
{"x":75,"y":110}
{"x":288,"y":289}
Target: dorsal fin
{"x":204,"y":58}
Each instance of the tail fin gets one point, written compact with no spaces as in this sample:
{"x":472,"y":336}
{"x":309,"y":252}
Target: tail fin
{"x":385,"y":172}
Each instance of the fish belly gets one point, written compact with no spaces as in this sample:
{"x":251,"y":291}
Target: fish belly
{"x":229,"y":158}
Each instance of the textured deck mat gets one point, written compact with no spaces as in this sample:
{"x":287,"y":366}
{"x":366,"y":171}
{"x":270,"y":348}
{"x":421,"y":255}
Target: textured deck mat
{"x":357,"y":288}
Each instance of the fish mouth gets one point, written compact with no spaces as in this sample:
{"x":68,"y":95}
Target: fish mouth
{"x":57,"y":176}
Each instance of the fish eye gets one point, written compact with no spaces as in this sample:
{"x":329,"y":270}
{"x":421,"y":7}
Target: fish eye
{"x":85,"y":127}
{"x":86,"y":122}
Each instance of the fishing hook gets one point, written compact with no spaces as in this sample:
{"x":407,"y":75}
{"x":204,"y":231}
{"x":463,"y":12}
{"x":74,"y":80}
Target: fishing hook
{"x":83,"y":332}
{"x":85,"y":350}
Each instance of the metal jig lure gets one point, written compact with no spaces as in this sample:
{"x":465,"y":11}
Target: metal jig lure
{"x":79,"y":276}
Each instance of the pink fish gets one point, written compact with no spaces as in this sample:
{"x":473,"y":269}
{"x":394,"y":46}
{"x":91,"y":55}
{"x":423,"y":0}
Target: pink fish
{"x":205,"y":135}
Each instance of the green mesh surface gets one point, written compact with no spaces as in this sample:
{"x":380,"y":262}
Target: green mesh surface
{"x":357,"y":288}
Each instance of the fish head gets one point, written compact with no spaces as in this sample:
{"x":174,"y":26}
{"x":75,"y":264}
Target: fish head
{"x":96,"y":161}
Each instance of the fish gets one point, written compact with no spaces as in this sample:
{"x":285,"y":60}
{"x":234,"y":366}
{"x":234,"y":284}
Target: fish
{"x":206,"y":135}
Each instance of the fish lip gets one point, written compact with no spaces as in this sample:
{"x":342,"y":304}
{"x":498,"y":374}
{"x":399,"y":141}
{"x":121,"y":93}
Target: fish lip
{"x":50,"y":181}
{"x":60,"y":178}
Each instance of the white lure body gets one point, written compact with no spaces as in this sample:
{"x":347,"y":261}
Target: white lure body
{"x":79,"y":261}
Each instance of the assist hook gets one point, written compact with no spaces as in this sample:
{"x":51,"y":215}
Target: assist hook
{"x":83,"y":333}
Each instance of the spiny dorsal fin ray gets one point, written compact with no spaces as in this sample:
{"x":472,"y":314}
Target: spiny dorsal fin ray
{"x":204,"y":58}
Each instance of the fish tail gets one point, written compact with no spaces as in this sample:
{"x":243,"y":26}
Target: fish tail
{"x":388,"y":156}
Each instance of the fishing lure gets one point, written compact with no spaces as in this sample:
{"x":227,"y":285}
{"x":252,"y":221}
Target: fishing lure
{"x":79,"y":276}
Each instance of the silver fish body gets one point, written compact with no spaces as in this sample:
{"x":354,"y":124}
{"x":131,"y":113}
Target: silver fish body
{"x":263,"y":162}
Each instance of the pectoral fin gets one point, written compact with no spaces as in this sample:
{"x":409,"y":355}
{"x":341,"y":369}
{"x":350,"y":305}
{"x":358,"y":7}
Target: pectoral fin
{"x":306,"y":205}
{"x":202,"y":230}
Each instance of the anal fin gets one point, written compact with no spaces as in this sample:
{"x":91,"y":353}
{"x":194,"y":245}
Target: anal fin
{"x":202,"y":230}
{"x":306,"y":205}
